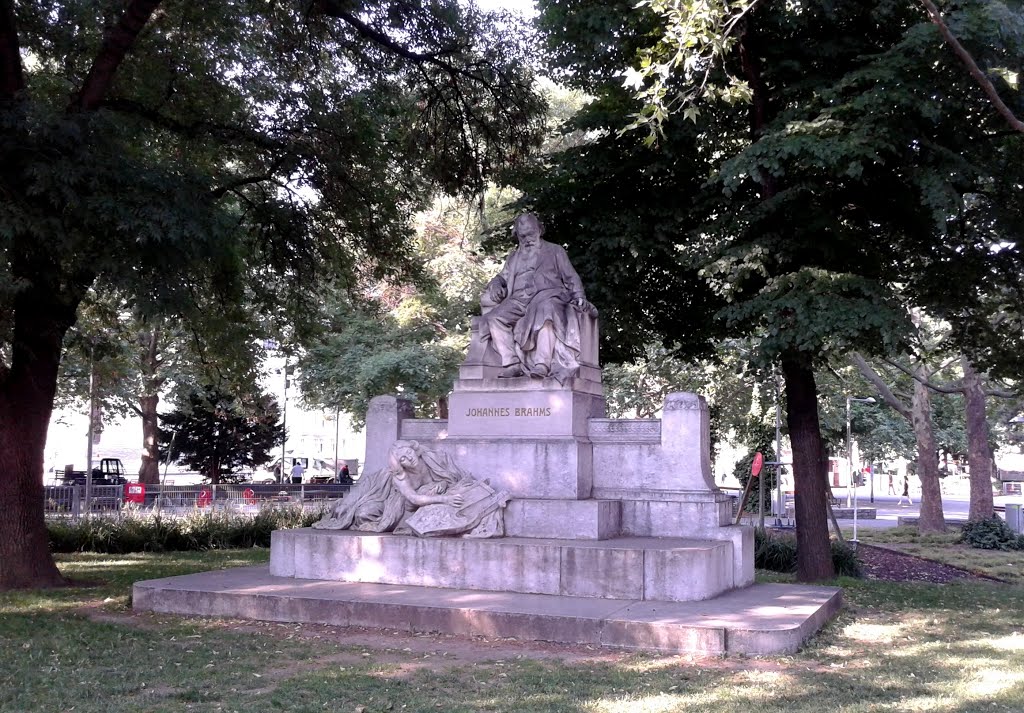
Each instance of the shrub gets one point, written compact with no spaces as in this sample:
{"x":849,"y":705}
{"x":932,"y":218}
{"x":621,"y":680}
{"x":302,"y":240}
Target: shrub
{"x":776,"y":552}
{"x":845,"y":560}
{"x":990,"y":534}
{"x":136,"y":532}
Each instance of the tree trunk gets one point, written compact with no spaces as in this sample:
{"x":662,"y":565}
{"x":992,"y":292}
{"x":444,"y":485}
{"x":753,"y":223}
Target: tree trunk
{"x":442,"y":408}
{"x":26,"y":403}
{"x":931,"y":519}
{"x":814,"y":552}
{"x":152,"y":382}
{"x":979,"y":453}
{"x":149,"y":472}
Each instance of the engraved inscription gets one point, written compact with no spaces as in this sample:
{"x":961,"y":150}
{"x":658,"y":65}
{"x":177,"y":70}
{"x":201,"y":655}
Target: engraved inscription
{"x":519,"y":411}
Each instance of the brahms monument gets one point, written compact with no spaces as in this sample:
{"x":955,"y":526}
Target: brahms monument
{"x":528,"y":513}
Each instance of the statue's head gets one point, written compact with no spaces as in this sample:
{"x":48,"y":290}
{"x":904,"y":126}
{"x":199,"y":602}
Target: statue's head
{"x":528,"y":229}
{"x":403,"y":455}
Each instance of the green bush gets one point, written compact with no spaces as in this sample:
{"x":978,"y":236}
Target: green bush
{"x":196,"y":531}
{"x":776,"y":552}
{"x":991,"y":534}
{"x":845,"y":560}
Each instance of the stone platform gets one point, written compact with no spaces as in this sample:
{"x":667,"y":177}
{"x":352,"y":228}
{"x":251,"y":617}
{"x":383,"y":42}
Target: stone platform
{"x":761,"y":619}
{"x":668,"y":569}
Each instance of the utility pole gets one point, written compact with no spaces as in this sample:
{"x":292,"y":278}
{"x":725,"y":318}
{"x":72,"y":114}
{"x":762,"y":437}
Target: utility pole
{"x":92,"y":431}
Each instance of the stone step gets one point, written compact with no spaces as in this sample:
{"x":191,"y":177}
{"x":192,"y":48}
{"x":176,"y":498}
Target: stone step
{"x":644,"y":568}
{"x":758,"y":620}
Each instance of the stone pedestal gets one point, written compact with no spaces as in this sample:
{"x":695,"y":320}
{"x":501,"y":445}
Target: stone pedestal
{"x":527,"y":436}
{"x":642,"y":568}
{"x":384,"y":420}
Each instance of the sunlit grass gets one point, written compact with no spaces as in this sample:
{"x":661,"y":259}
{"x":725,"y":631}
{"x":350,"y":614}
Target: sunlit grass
{"x":896,"y":647}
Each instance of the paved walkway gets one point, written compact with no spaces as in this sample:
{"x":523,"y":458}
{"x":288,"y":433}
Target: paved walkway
{"x":955,"y":504}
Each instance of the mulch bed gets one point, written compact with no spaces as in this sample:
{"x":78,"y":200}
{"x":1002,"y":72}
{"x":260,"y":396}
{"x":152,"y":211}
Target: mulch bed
{"x":894,"y":566}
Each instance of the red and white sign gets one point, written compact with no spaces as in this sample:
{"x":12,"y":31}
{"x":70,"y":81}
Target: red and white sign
{"x":135,"y":493}
{"x":205,"y":498}
{"x":250,"y":496}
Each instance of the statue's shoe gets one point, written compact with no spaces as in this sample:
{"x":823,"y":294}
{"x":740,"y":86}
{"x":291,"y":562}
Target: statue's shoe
{"x":540,"y":371}
{"x":511,"y":371}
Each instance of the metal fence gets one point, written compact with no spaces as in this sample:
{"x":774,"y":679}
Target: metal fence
{"x":69,"y":501}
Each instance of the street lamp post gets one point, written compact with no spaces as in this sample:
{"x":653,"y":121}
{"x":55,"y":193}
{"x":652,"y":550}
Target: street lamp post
{"x":92,"y":433}
{"x":271,"y":345}
{"x":850,"y":487}
{"x":337,"y":437}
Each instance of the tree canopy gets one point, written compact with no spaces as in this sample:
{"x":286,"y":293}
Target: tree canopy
{"x":194,"y":156}
{"x":866,"y":174}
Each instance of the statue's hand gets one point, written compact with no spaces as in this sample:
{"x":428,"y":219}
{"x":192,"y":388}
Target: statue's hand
{"x":494,"y":295}
{"x":585,"y":307}
{"x":456,"y":501}
{"x":495,"y":292}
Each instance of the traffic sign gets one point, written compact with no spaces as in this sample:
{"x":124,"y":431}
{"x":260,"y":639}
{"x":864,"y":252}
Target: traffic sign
{"x":755,"y":467}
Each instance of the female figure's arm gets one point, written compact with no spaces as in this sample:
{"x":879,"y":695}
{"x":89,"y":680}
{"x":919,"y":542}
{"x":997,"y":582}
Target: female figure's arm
{"x":420,"y":499}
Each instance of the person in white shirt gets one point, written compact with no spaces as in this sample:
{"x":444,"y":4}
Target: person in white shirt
{"x":297,"y":471}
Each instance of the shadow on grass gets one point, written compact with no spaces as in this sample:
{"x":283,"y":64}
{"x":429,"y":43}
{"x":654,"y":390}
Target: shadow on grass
{"x":897,"y":646}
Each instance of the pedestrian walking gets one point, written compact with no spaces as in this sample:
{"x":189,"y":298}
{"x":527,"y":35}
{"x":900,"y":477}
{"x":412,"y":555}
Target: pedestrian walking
{"x":906,"y":492}
{"x":297,"y":471}
{"x":892,"y":487}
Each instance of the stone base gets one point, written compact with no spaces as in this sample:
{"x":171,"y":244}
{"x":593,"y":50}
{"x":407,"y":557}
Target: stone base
{"x":530,"y":468}
{"x":759,"y":620}
{"x":564,"y":519}
{"x":645,"y":568}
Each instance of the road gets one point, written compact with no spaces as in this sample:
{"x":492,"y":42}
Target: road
{"x":955,"y":503}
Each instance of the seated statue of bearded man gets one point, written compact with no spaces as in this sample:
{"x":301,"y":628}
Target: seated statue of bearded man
{"x":531,"y":308}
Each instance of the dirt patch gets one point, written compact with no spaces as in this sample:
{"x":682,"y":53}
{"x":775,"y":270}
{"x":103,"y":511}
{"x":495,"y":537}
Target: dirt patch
{"x":884,"y":563}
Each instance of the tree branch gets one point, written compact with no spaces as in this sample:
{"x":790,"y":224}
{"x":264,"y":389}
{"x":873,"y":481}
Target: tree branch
{"x":116,"y":44}
{"x":955,"y":387}
{"x":331,"y":9}
{"x":198,"y":129}
{"x":972,"y":67}
{"x":883,"y":389}
{"x":12,"y":73}
{"x":233,"y":186}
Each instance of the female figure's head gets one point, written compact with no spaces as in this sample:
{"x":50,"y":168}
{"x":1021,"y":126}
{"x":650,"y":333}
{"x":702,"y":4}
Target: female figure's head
{"x":404,"y":456}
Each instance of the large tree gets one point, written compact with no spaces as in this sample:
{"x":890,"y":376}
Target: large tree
{"x":218,"y":433}
{"x":125,"y":362}
{"x":172,"y":150}
{"x":830,"y":164}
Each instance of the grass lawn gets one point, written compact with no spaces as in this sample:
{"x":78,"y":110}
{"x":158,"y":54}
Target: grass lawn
{"x":896,"y":647}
